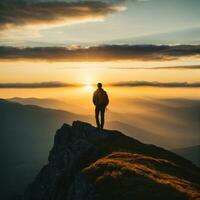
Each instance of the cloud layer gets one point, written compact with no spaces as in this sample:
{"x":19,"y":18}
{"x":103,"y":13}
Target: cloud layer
{"x":56,"y":84}
{"x":35,"y":85}
{"x":157,"y":84}
{"x":20,"y":12}
{"x":178,"y":67}
{"x":101,"y":53}
{"x":186,"y":67}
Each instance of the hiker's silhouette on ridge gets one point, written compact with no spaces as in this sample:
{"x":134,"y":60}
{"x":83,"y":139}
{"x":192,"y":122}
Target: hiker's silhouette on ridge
{"x":100,"y":100}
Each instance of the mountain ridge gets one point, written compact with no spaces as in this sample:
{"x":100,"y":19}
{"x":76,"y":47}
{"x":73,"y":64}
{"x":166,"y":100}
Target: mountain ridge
{"x":85,"y":163}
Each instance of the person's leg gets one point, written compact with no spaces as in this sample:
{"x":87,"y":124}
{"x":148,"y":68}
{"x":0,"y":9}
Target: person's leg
{"x":97,"y":116}
{"x":102,"y":117}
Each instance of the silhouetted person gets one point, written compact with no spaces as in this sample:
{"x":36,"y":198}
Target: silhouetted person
{"x":100,"y":100}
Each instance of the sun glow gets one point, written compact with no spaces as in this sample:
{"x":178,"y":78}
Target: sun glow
{"x":88,"y":88}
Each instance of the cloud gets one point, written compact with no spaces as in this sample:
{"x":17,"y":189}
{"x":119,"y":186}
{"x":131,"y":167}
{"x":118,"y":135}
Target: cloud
{"x":178,"y":67}
{"x":35,"y":85}
{"x":157,"y":84}
{"x":56,"y":84}
{"x":187,"y":67}
{"x":14,"y":13}
{"x":101,"y":53}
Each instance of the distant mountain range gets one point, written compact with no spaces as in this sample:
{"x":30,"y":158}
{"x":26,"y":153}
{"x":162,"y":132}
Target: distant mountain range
{"x":48,"y":103}
{"x":170,"y":123}
{"x":191,"y":153}
{"x":139,"y":133}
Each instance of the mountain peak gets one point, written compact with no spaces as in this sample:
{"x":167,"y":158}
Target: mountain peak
{"x":87,"y":163}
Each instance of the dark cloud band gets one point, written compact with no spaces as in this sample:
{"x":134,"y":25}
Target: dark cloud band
{"x":21,"y":12}
{"x":187,"y":67}
{"x":101,"y":53}
{"x":157,"y":84}
{"x":35,"y":85}
{"x":178,"y":67}
{"x":117,"y":84}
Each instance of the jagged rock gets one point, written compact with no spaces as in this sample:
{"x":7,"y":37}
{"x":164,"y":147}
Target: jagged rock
{"x":86,"y":163}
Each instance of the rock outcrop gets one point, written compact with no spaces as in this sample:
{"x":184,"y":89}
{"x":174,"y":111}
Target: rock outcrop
{"x":86,"y":163}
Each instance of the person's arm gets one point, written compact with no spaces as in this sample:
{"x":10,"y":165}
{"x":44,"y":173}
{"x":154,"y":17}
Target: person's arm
{"x":94,"y":98}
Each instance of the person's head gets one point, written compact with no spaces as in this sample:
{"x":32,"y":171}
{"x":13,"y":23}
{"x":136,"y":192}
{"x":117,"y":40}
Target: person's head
{"x":99,"y":85}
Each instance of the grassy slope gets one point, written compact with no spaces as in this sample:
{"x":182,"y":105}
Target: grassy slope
{"x":125,"y":176}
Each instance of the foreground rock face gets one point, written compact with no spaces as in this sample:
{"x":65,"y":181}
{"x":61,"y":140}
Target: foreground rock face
{"x":90,"y":164}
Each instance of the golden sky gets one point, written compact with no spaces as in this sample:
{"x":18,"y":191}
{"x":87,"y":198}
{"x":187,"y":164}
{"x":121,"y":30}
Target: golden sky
{"x":59,"y":43}
{"x":90,"y":73}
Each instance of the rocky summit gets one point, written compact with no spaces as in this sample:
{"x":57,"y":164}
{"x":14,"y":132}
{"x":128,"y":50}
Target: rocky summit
{"x":87,"y":163}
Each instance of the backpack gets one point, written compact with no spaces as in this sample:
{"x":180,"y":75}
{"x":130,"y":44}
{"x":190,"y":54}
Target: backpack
{"x":102,"y":98}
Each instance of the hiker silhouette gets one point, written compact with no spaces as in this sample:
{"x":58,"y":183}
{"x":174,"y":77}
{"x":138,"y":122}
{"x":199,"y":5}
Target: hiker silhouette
{"x":100,"y":100}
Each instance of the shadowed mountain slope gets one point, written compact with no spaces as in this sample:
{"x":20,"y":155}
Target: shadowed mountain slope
{"x":86,"y":163}
{"x":26,"y":136}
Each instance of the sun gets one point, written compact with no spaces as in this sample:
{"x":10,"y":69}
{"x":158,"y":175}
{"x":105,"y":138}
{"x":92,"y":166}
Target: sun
{"x":88,"y":88}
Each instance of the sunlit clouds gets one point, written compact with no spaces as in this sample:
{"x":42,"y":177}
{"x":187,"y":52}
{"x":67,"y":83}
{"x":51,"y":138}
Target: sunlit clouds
{"x":102,"y":53}
{"x":21,"y":13}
